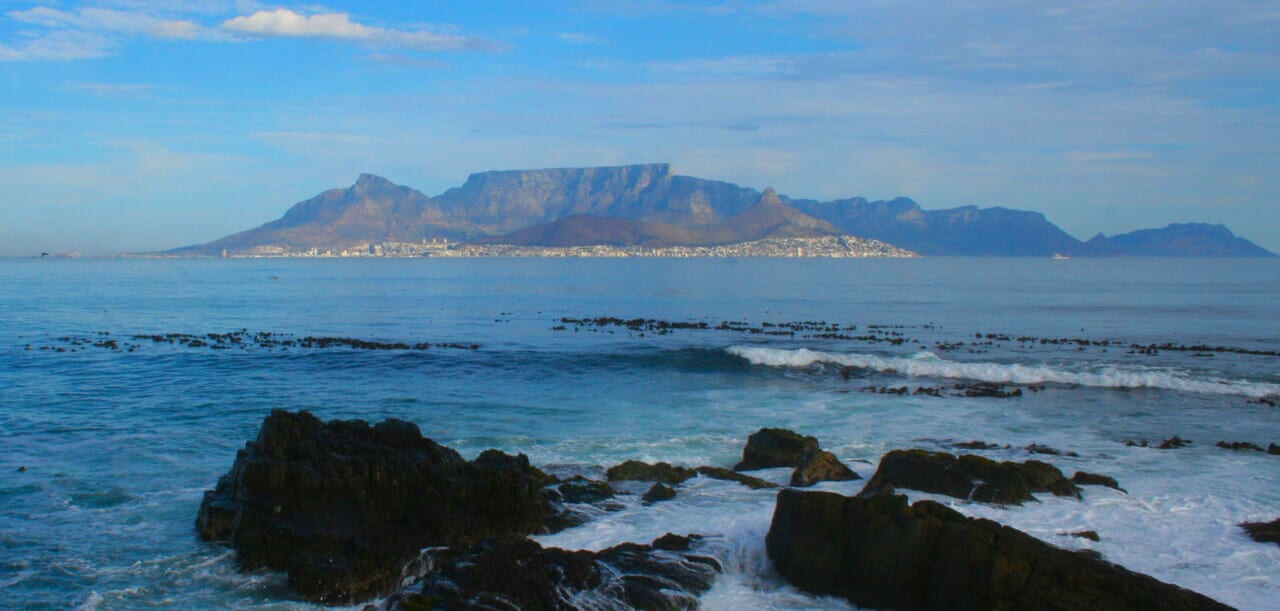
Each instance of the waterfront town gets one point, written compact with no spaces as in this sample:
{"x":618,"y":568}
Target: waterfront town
{"x":835,"y":247}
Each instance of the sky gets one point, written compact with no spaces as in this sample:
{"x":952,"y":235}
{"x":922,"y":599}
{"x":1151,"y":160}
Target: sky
{"x":128,"y":125}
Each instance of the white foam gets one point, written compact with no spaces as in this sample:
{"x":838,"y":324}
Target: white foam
{"x":928,"y":365}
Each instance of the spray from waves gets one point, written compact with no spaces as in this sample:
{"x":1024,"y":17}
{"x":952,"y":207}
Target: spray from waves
{"x":928,"y":365}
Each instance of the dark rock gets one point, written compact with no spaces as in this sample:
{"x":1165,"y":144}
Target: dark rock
{"x":880,"y":553}
{"x":1173,"y":443}
{"x":1273,"y":449}
{"x":1091,"y":535}
{"x":1264,"y":532}
{"x":821,"y":466}
{"x":1240,"y":445}
{"x":582,"y":490}
{"x":1036,"y":448}
{"x":1083,"y":478}
{"x":657,"y":493}
{"x":768,"y":448}
{"x":524,"y":575}
{"x":343,"y":506}
{"x":753,"y":483}
{"x":975,"y":445}
{"x":634,"y":470}
{"x":969,"y":477}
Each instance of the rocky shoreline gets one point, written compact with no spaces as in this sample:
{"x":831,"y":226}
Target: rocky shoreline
{"x":353,"y":511}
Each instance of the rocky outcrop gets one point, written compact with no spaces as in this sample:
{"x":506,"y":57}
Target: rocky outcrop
{"x":1084,"y":478}
{"x":342,"y":506}
{"x":1263,"y":532}
{"x":667,"y":574}
{"x":768,"y":448}
{"x":821,"y":466}
{"x":969,"y":477}
{"x":879,"y":552}
{"x":634,"y":470}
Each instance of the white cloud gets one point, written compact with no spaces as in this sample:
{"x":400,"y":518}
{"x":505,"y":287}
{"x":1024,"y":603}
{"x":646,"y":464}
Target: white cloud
{"x":290,"y":24}
{"x":107,"y":20}
{"x":60,"y":45}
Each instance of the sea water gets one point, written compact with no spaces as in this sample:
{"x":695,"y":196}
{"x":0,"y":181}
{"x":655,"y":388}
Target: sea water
{"x":106,"y":449}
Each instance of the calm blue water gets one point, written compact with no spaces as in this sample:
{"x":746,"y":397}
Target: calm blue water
{"x":118,"y":445}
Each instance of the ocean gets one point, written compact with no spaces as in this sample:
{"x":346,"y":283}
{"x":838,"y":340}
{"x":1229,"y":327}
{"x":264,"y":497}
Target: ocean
{"x":118,"y":409}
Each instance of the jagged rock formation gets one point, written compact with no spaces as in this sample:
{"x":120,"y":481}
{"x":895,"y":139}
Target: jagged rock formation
{"x":880,"y":553}
{"x":767,"y":448}
{"x":969,"y":477}
{"x":648,"y":205}
{"x":343,"y":506}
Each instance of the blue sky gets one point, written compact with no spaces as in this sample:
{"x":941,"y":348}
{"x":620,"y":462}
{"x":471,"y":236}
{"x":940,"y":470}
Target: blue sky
{"x":128,"y":125}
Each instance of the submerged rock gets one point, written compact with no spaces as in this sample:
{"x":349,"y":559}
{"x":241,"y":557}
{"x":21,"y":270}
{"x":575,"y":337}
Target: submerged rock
{"x":821,"y":466}
{"x":879,"y":552}
{"x":1173,"y":443}
{"x":768,"y":448}
{"x":1084,"y":478}
{"x":343,"y":506}
{"x":1240,"y":445}
{"x":524,"y":575}
{"x":969,"y":477}
{"x":753,"y":483}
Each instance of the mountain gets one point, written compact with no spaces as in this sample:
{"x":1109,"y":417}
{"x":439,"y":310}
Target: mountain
{"x":648,"y":205}
{"x":768,"y":217}
{"x":372,"y":210}
{"x":1176,"y":240}
{"x":958,"y":231}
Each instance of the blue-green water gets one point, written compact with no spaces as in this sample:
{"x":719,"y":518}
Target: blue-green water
{"x":118,"y":445}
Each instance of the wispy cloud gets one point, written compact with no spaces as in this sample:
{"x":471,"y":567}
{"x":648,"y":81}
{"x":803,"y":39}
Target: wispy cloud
{"x":580,"y":38}
{"x":339,"y":26}
{"x":108,"y":89}
{"x":107,"y":20}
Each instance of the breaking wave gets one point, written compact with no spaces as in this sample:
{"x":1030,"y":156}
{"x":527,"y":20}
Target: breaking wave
{"x":928,"y":365}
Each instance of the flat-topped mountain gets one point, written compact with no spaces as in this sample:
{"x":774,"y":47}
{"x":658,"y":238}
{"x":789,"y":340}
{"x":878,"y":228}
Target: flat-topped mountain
{"x":648,"y":205}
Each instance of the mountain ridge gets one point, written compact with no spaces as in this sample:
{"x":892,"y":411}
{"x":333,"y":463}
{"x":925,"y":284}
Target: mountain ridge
{"x":649,"y":205}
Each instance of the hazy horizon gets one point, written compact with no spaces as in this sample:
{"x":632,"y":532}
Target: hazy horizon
{"x":129,"y":128}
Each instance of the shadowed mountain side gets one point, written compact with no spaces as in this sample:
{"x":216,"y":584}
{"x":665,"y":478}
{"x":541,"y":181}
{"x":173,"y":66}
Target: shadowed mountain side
{"x":768,"y":217}
{"x":1176,"y":240}
{"x":966,"y":230}
{"x":372,"y":210}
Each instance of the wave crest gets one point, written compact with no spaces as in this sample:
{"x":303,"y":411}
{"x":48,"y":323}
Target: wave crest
{"x":928,"y":365}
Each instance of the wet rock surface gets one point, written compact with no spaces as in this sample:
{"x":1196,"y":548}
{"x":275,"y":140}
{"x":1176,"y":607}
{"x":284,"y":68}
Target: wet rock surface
{"x":769,"y":448}
{"x":342,"y":506}
{"x":969,"y":477}
{"x":879,"y":552}
{"x":665,"y":575}
{"x":1084,"y":478}
{"x":821,"y":466}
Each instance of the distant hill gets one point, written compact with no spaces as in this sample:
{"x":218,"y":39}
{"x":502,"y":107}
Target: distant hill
{"x":648,"y":205}
{"x":1176,"y":240}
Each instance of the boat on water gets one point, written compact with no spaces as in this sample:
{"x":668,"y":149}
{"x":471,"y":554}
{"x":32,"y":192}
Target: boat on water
{"x":1057,"y":256}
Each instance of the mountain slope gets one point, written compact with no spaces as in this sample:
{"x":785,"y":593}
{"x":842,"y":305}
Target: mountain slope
{"x":768,"y":217}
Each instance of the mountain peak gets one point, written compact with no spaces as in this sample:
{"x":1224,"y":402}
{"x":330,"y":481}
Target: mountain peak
{"x":769,"y":197}
{"x":368,"y":181}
